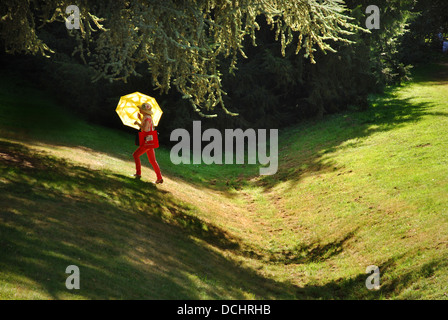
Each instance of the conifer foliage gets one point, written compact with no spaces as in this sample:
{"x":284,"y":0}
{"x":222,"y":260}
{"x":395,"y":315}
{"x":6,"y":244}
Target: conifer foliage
{"x":181,"y":42}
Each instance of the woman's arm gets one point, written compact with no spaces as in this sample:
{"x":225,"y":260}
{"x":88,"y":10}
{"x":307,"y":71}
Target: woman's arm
{"x":139,"y":124}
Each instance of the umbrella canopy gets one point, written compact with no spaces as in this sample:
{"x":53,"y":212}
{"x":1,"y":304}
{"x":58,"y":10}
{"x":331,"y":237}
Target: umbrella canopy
{"x":128,"y":109}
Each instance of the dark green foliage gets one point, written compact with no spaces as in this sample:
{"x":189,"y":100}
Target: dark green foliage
{"x":422,"y":44}
{"x":290,"y":88}
{"x":385,"y":55}
{"x":181,"y":43}
{"x":268,"y":89}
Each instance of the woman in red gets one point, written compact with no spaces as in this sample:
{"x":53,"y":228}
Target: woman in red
{"x":146,"y":124}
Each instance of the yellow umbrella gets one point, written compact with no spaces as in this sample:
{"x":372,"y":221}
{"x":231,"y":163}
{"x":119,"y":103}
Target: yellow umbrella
{"x":128,"y":110}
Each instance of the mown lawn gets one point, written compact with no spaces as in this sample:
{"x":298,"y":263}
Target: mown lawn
{"x":360,"y":189}
{"x":353,"y":190}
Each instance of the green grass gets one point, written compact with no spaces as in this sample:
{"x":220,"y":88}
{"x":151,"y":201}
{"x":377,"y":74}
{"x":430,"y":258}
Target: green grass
{"x":369,"y":188}
{"x":353,"y":190}
{"x":67,"y":198}
{"x":129,"y":239}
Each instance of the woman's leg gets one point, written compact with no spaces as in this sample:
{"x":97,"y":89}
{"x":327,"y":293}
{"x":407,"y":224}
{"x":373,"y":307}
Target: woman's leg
{"x":138,"y":166}
{"x":153,"y":161}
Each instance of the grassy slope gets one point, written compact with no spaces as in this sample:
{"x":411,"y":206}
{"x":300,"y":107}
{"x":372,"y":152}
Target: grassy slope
{"x":367,"y":189}
{"x":67,"y":198}
{"x":354,"y":190}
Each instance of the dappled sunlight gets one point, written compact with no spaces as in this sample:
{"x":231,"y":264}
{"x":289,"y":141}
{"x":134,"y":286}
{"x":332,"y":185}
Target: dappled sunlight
{"x":388,"y":112}
{"x":83,"y":155}
{"x":123,"y":243}
{"x":352,"y":190}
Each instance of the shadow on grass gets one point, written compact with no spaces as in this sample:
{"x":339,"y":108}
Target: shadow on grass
{"x":302,"y":147}
{"x":311,"y":139}
{"x":315,"y":252}
{"x":315,"y":139}
{"x":130,"y":240}
{"x":30,"y":116}
{"x":438,"y":72}
{"x":133,"y":241}
{"x":391,"y":287}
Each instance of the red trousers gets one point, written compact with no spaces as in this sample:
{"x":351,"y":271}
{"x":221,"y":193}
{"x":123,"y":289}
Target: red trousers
{"x":151,"y":157}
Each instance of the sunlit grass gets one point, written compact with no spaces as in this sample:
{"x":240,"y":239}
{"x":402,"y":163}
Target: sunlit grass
{"x":353,"y":190}
{"x":372,"y":191}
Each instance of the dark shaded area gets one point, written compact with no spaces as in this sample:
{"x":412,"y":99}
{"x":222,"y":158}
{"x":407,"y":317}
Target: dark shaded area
{"x":268,"y":90}
{"x":301,"y":253}
{"x":45,"y":228}
{"x":388,"y":112}
{"x":51,"y":217}
{"x":356,"y":287}
{"x":306,"y":253}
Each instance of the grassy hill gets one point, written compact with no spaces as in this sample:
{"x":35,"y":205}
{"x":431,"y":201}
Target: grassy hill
{"x":353,"y":190}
